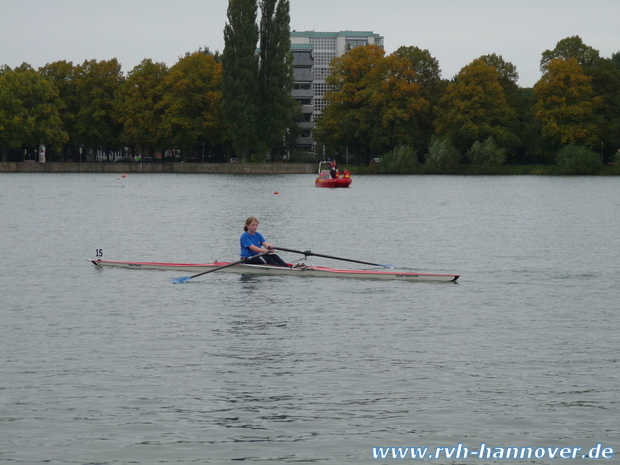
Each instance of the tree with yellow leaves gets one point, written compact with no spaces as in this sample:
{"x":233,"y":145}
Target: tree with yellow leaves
{"x":372,"y":105}
{"x":190,"y":105}
{"x":475,"y":108}
{"x":566,"y":106}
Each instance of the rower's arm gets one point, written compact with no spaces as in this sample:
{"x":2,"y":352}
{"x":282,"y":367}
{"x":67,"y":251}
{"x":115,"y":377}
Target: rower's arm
{"x":257,"y":249}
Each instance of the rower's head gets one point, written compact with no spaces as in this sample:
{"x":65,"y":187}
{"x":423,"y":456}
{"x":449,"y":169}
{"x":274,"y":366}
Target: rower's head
{"x":249,"y":223}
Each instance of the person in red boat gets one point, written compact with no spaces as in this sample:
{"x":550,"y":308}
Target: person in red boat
{"x":346,"y":174}
{"x":333,"y":169}
{"x":253,"y":243}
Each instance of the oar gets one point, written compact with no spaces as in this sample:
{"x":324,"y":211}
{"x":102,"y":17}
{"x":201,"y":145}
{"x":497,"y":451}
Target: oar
{"x":187,"y":278}
{"x":307,"y":253}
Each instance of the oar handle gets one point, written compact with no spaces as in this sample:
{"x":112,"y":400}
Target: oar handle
{"x":308,"y":253}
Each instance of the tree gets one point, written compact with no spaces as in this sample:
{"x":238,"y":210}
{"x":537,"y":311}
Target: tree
{"x":573,"y":159}
{"x":605,"y":74}
{"x":136,"y":102}
{"x":486,"y":156}
{"x":29,"y":111}
{"x":191,"y":103}
{"x":427,"y":70}
{"x":606,"y":85}
{"x":475,"y":108}
{"x":443,"y":157}
{"x":432,"y":88}
{"x":507,"y":71}
{"x":401,"y":160}
{"x":508,"y":77}
{"x":518,"y":99}
{"x":62,"y":75}
{"x":615,"y":58}
{"x":570,"y":47}
{"x":206,"y":51}
{"x":565,"y":105}
{"x":95,"y":122}
{"x":373,"y":103}
{"x":275,"y":75}
{"x":240,"y":75}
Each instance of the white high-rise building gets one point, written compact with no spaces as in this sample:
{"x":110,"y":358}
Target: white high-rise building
{"x":313,"y":53}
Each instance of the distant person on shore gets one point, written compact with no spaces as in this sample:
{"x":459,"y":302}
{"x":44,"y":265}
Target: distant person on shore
{"x":253,"y":243}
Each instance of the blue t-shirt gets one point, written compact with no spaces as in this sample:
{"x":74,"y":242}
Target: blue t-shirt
{"x":247,"y":240}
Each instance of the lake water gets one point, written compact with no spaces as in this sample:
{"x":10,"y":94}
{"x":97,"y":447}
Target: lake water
{"x":114,"y":366}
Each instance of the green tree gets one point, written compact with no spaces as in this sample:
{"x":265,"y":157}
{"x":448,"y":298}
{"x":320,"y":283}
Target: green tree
{"x":443,"y":157}
{"x":606,"y":85}
{"x":517,"y":98}
{"x":573,"y":159}
{"x":95,"y":122}
{"x":486,"y":156}
{"x":240,"y":75}
{"x":615,"y":58}
{"x":62,"y":75}
{"x":432,"y":88}
{"x":565,"y":105}
{"x":29,"y":111}
{"x":136,"y":101}
{"x":475,"y":108}
{"x":570,"y":47}
{"x":427,"y":70}
{"x":508,"y":77}
{"x":191,"y":103}
{"x":275,"y":75}
{"x":403,"y":159}
{"x":605,"y":74}
{"x":373,"y":103}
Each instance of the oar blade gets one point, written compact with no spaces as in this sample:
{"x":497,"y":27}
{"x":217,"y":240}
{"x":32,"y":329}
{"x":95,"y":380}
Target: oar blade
{"x":384,"y":266}
{"x":182,"y":280}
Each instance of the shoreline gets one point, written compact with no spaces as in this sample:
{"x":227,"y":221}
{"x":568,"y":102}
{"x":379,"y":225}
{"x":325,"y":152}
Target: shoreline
{"x":138,"y":167}
{"x":272,"y":168}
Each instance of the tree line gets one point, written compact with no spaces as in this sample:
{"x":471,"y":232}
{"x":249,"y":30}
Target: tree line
{"x":394,"y":106}
{"x":398,"y":105}
{"x":206,"y":106}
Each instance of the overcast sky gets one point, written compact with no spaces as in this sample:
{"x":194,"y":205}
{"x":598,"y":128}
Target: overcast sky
{"x":454,"y":31}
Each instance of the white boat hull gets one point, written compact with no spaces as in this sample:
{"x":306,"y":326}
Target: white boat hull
{"x":309,"y":271}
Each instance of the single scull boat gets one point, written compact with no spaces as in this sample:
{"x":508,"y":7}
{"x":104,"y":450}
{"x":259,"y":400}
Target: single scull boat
{"x":297,"y":270}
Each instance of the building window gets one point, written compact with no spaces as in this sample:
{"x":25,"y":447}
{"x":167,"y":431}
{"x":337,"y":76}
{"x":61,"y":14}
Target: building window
{"x":355,"y":42}
{"x":302,"y":55}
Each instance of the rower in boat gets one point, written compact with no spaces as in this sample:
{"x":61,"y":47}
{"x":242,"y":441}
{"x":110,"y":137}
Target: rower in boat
{"x":253,"y":243}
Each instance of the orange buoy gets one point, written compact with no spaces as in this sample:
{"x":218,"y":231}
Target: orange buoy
{"x":276,"y":192}
{"x":124,"y":175}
